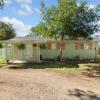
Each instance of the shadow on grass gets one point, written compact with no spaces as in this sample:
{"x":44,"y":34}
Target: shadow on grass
{"x":83,"y":95}
{"x":43,"y":65}
{"x":93,"y":70}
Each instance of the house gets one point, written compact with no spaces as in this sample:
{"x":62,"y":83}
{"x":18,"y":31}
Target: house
{"x":31,"y":51}
{"x":37,"y":48}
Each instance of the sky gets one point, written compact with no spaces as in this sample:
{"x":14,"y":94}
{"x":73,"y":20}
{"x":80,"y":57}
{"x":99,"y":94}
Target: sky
{"x":24,"y":14}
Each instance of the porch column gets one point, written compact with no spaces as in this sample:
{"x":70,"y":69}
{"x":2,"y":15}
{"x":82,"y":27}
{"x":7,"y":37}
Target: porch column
{"x":15,"y":52}
{"x":36,"y":52}
{"x":38,"y":49}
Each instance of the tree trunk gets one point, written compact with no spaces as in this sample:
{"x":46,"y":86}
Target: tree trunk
{"x":95,"y":53}
{"x":61,"y":48}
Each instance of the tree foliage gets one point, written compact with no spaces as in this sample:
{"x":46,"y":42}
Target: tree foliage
{"x":2,"y":2}
{"x":1,"y":46}
{"x":69,"y":18}
{"x":85,"y":21}
{"x":6,"y":31}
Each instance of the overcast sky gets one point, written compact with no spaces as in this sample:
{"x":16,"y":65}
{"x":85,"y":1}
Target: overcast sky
{"x":24,"y":14}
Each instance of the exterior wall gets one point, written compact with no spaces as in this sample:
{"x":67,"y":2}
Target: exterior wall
{"x":70,"y":52}
{"x":2,"y":53}
{"x":31,"y":53}
{"x":9,"y":53}
{"x":36,"y":54}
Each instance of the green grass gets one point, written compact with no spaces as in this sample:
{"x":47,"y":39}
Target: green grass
{"x":69,"y":68}
{"x":52,"y":66}
{"x":2,"y":62}
{"x":59,"y":67}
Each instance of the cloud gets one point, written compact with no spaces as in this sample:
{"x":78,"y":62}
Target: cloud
{"x":8,"y":2}
{"x":20,"y":28}
{"x":37,"y":10}
{"x":91,"y":6}
{"x":25,"y":1}
{"x":25,"y":10}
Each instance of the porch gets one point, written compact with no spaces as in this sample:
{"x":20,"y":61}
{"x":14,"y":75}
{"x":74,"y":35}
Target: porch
{"x":21,"y":49}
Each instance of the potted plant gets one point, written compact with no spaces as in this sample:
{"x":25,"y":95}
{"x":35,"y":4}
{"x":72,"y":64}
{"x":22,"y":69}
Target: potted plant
{"x":43,"y":46}
{"x":21,"y":47}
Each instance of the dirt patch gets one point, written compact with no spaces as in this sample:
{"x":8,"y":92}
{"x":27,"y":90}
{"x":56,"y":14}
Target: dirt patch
{"x":34,"y":84}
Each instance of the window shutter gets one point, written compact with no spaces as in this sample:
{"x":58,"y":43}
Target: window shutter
{"x":76,"y":45}
{"x":79,"y":45}
{"x":99,"y":50}
{"x":49,"y":45}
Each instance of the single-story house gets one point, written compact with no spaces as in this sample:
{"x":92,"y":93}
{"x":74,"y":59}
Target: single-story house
{"x":37,"y":48}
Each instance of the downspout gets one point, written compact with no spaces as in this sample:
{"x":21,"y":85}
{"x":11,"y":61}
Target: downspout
{"x":95,"y":52}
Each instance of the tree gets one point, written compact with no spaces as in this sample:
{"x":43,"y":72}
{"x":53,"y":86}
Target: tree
{"x":6,"y":31}
{"x":2,"y":2}
{"x":85,"y":21}
{"x":67,"y":19}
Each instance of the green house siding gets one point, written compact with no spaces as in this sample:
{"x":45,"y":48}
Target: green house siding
{"x":69,"y":52}
{"x":49,"y":53}
{"x":2,"y":52}
{"x":9,"y":53}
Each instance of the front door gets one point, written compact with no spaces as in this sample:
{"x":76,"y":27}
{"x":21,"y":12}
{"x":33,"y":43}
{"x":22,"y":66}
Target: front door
{"x":36,"y":53}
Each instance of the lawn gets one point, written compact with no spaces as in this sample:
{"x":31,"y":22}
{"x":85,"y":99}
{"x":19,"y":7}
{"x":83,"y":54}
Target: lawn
{"x":66,"y":68}
{"x":51,"y":66}
{"x":88,"y":69}
{"x":2,"y":62}
{"x":60,"y":67}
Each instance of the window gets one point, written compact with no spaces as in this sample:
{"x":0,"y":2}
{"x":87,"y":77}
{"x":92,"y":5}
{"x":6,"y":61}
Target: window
{"x":34,"y":45}
{"x":58,"y":45}
{"x":52,"y":46}
{"x":79,"y":45}
{"x":89,"y":45}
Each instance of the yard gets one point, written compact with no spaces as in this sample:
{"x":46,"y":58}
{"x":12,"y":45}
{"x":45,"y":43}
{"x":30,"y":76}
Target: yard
{"x":2,"y":62}
{"x":50,"y":82}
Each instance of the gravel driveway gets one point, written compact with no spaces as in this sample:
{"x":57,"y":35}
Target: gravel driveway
{"x":31,"y":84}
